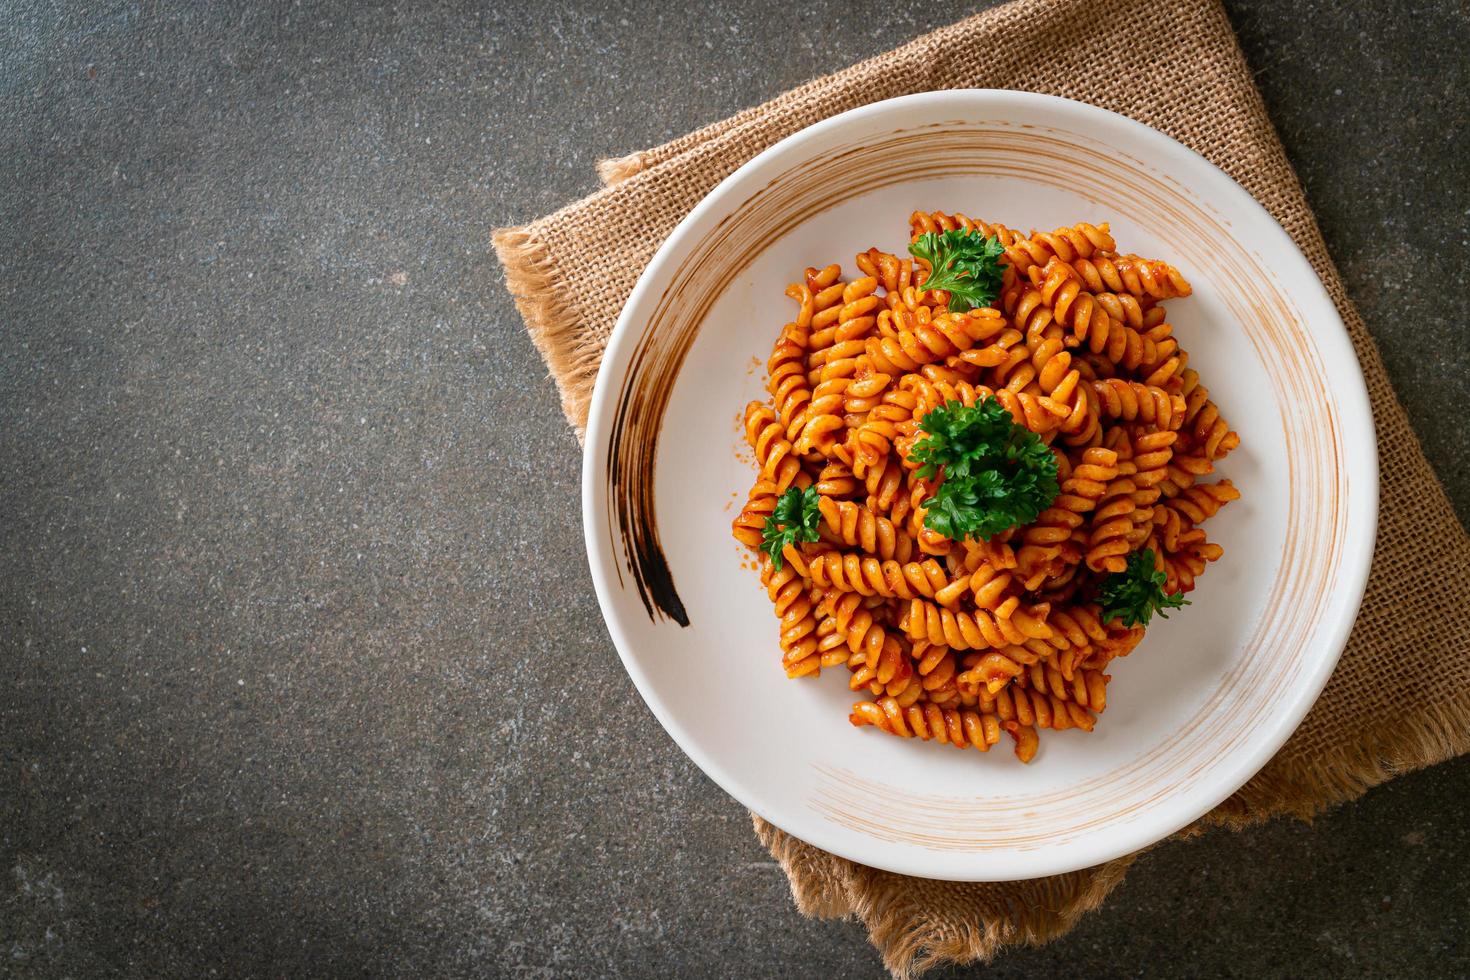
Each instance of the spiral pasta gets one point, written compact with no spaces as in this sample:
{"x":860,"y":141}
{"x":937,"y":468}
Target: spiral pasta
{"x":962,"y":728}
{"x":1004,"y":625}
{"x":766,"y":435}
{"x":1077,"y":242}
{"x":1129,"y":401}
{"x":857,"y":526}
{"x":759,"y":505}
{"x":1130,"y":274}
{"x":868,"y":576}
{"x":964,"y":641}
{"x":855,"y":621}
{"x":789,"y":594}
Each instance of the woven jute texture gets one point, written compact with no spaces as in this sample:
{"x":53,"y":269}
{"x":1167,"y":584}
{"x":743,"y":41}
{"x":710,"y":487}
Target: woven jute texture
{"x":1400,"y":698}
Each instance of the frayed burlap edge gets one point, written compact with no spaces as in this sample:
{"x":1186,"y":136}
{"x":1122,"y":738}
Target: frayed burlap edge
{"x":614,"y":170}
{"x":539,"y":290}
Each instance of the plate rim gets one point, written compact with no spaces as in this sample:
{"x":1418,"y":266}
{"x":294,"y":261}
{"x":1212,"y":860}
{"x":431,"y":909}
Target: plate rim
{"x":1359,"y":458}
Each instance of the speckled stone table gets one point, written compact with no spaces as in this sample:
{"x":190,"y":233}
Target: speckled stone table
{"x":301,"y":670}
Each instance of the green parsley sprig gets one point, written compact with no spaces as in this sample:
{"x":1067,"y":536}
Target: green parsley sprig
{"x":966,"y":264}
{"x":997,"y":474}
{"x":795,"y":519}
{"x":1135,"y":594}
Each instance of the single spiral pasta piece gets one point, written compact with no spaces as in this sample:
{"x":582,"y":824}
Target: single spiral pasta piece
{"x":922,"y":223}
{"x":786,"y":379}
{"x":1047,"y":541}
{"x":1182,"y":567}
{"x":1115,"y":525}
{"x":1086,"y":688}
{"x":923,"y":340}
{"x":1050,"y":362}
{"x":855,"y":319}
{"x":1037,"y":709}
{"x":990,"y":672}
{"x":937,"y":670}
{"x":1202,"y":419}
{"x":959,"y":727}
{"x":860,"y":305}
{"x":1065,"y":244}
{"x":1203,"y":501}
{"x":894,"y":274}
{"x":836,"y":479}
{"x":1130,"y":401}
{"x":1005,"y":625}
{"x":789,"y":595}
{"x":773,"y":451}
{"x":857,"y":526}
{"x":825,"y":287}
{"x":1131,"y":274}
{"x":856,"y":622}
{"x":892,"y":673}
{"x":749,"y":527}
{"x":884,"y":423}
{"x":868,"y":576}
{"x":1152,"y":452}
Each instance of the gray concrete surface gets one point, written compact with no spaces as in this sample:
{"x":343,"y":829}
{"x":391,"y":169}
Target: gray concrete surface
{"x":301,"y":671}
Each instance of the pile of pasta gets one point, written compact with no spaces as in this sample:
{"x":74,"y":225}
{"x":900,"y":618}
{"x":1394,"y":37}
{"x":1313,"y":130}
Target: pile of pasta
{"x":961,"y":641}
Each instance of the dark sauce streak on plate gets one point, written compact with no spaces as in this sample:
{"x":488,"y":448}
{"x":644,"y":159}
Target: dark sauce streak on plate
{"x":633,"y":450}
{"x":647,"y":387}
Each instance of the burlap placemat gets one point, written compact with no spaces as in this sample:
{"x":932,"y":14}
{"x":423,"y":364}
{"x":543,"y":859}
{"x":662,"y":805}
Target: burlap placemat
{"x":1399,"y":700}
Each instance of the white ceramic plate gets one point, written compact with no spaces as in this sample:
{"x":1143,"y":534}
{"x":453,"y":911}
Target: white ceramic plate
{"x":1211,"y":693}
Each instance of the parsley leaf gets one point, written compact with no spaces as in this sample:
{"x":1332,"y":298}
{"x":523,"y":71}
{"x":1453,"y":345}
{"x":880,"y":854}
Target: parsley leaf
{"x":795,"y":519}
{"x":997,"y":474}
{"x":1135,"y":594}
{"x":965,"y":264}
